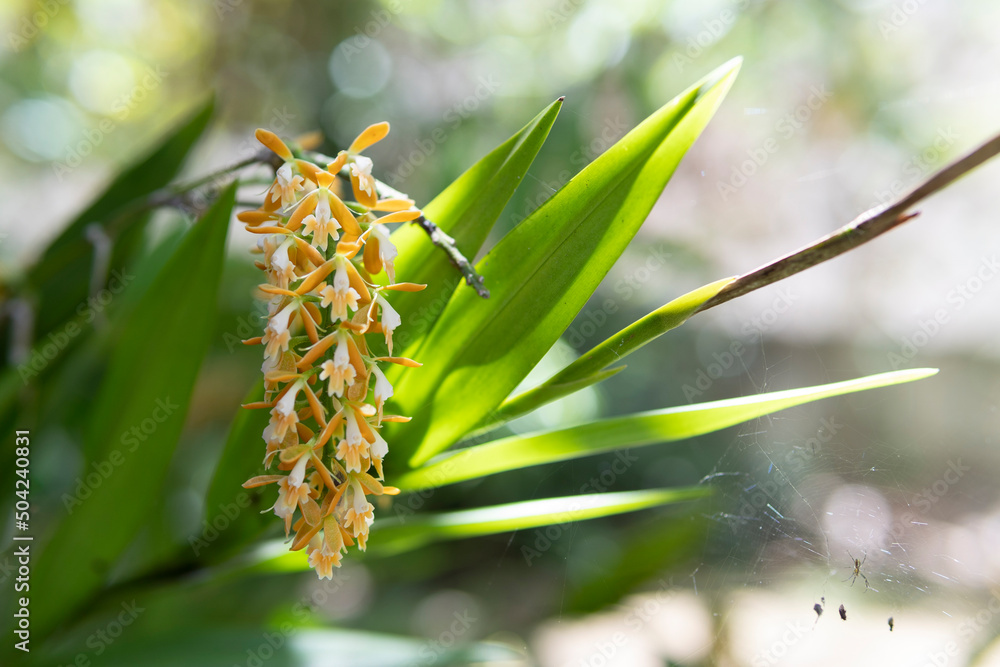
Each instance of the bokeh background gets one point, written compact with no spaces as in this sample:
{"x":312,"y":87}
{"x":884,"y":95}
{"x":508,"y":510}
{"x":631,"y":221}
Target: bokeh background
{"x":839,"y":106}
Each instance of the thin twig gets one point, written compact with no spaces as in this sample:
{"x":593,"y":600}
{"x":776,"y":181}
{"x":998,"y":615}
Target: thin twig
{"x":441,"y":240}
{"x":864,"y":228}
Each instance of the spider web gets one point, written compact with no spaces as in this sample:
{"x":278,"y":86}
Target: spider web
{"x":801,"y":495}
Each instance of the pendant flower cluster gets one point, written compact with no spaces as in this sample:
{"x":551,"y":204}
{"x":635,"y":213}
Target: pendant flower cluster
{"x":323,"y":384}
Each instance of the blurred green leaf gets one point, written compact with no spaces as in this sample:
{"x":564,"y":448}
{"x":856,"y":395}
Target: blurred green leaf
{"x":541,"y":274}
{"x":137,"y":418}
{"x":466,"y":210}
{"x":234,"y":513}
{"x":644,"y":428}
{"x":650,"y":548}
{"x":589,"y":368}
{"x":289,"y":645}
{"x":60,"y":279}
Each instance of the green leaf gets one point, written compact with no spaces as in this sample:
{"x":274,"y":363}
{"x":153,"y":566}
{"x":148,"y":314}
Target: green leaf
{"x":239,"y":462}
{"x":644,"y":428}
{"x":138,"y":414}
{"x":541,"y":274}
{"x":466,"y":210}
{"x":289,"y":645}
{"x":60,"y":279}
{"x":589,"y":368}
{"x":394,"y":535}
{"x":404,"y":533}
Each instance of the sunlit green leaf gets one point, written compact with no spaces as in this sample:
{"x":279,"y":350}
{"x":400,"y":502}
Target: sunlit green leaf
{"x":541,"y":274}
{"x":466,"y":210}
{"x":644,"y":428}
{"x":398,"y":534}
{"x":589,"y":368}
{"x":137,"y":417}
{"x":403,"y":533}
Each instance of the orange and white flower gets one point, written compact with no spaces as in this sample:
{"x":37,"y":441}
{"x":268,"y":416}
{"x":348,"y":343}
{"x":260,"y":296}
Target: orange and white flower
{"x":353,"y":449}
{"x":390,"y":320}
{"x":320,"y":224}
{"x":339,"y":370}
{"x":360,"y":514}
{"x":285,"y":185}
{"x":283,"y":415}
{"x":382,"y":390}
{"x":281,"y":269}
{"x":276,"y":334}
{"x":340,"y":295}
{"x":387,"y":250}
{"x":323,"y":559}
{"x":377,"y":451}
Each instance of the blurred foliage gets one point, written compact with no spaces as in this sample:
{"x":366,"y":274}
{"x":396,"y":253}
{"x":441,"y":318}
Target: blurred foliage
{"x":100,"y":83}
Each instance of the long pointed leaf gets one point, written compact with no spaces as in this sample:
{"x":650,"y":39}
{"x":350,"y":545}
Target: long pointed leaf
{"x":391,"y":536}
{"x":138,"y":414}
{"x":60,"y":278}
{"x":542,"y":273}
{"x":466,"y":210}
{"x":400,"y":535}
{"x":644,"y":428}
{"x":589,"y":368}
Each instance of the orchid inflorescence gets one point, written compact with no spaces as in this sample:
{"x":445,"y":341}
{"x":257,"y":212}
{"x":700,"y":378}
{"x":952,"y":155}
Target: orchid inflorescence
{"x":324,"y":388}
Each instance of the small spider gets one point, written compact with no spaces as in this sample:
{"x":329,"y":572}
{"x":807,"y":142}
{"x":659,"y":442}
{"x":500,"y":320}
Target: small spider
{"x":857,"y":570}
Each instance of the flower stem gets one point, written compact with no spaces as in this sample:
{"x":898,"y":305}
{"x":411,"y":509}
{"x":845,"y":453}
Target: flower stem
{"x":864,"y":228}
